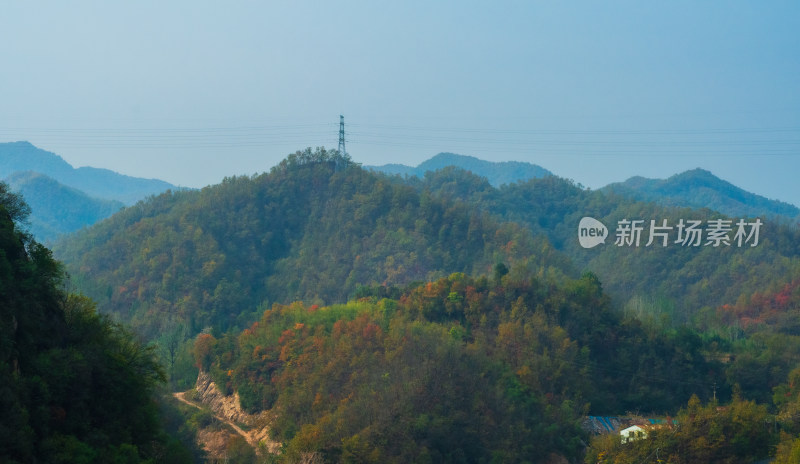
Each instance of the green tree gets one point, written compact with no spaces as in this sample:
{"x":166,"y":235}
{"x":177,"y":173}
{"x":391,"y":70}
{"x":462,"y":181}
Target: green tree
{"x":74,"y":386}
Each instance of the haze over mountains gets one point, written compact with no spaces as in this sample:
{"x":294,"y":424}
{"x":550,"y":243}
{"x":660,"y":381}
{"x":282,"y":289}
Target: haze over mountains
{"x":497,"y":173}
{"x":696,"y":188}
{"x":56,"y":208}
{"x":96,"y":182}
{"x":64,"y":199}
{"x":699,"y":188}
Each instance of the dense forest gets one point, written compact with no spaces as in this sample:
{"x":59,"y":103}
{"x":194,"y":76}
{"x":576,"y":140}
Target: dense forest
{"x":501,"y":369}
{"x":381,"y":318}
{"x":75,"y":387}
{"x":313,"y":229}
{"x":457,"y":370}
{"x":678,"y":284}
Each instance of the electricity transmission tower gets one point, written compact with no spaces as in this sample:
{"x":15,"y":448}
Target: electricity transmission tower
{"x":341,"y":136}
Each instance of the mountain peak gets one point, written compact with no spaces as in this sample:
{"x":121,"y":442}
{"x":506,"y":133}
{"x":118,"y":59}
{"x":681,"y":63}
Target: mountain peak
{"x":100,"y":183}
{"x":699,"y":188}
{"x":447,"y":157}
{"x":695,"y":174}
{"x":696,"y":171}
{"x":24,"y":156}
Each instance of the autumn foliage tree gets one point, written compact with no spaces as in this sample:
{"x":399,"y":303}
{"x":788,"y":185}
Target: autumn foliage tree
{"x":203,"y":346}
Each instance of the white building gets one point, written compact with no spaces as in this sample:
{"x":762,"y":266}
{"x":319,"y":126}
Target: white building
{"x":634,"y":432}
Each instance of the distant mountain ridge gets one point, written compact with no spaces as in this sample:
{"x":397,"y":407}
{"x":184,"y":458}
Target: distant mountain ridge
{"x":497,"y":173}
{"x":56,"y":208}
{"x":100,"y":183}
{"x":698,"y":188}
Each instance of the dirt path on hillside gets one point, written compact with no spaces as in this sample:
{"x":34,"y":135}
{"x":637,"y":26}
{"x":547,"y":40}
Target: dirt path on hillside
{"x":251,"y":440}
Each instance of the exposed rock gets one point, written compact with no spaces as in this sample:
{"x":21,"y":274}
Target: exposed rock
{"x":226,"y":406}
{"x":229,"y":408}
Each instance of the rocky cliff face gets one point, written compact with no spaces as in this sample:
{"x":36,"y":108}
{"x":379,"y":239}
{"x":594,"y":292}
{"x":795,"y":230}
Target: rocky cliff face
{"x":228,"y":408}
{"x":225,"y":406}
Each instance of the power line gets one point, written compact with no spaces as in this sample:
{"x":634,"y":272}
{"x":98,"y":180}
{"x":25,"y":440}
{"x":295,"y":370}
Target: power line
{"x":770,"y":141}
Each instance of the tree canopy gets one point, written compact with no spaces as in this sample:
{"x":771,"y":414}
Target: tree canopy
{"x":74,"y":387}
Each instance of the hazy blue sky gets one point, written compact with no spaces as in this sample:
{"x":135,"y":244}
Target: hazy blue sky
{"x":192,"y":91}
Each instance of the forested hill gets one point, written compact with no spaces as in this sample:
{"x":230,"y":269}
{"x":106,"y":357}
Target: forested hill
{"x":454,"y":315}
{"x":313,"y":229}
{"x":502,"y":369}
{"x":674,"y":283}
{"x":497,"y":173}
{"x":317,"y":227}
{"x":699,"y":188}
{"x":460,"y":369}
